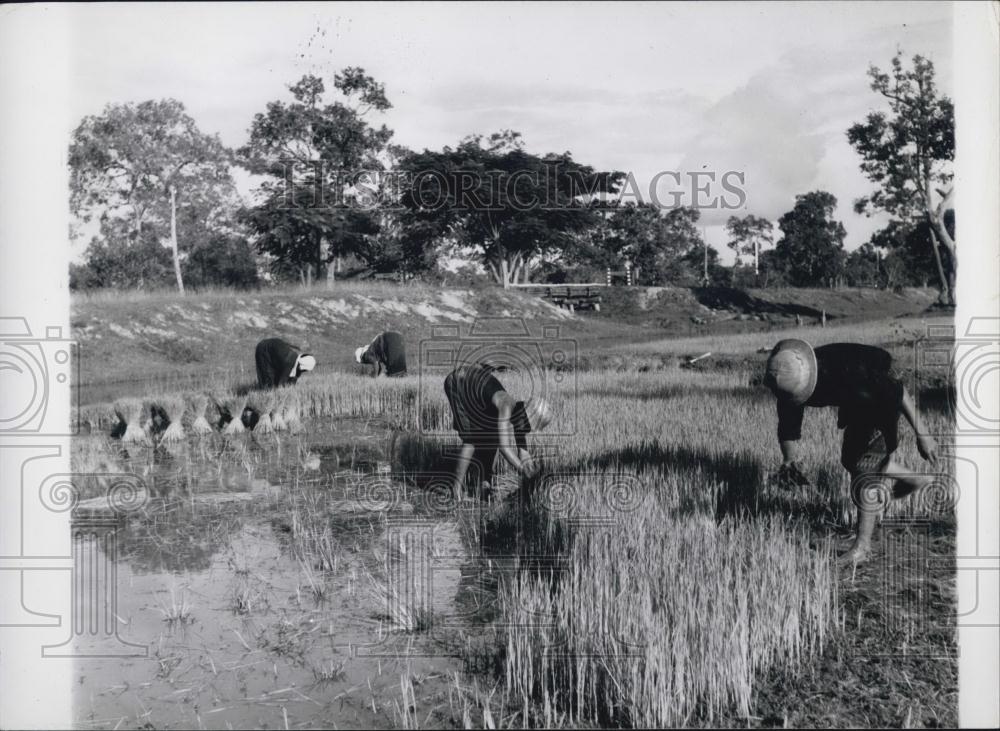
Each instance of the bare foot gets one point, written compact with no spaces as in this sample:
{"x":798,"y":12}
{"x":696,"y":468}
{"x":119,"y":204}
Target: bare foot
{"x":857,"y":554}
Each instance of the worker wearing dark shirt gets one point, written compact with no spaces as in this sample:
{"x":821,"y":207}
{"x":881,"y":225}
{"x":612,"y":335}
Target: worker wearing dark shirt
{"x":386,"y":352}
{"x":488,"y":420}
{"x":859,"y":381}
{"x":279,"y":363}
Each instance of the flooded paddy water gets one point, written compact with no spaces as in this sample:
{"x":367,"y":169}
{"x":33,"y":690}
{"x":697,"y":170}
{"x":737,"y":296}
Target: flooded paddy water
{"x":283,"y":582}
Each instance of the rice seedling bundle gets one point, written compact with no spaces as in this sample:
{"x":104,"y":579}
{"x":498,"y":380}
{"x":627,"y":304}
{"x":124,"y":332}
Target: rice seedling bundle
{"x":198,"y":405}
{"x":233,"y":406}
{"x":130,"y":412}
{"x":291,"y":411}
{"x":261,"y":403}
{"x":173,"y":407}
{"x":279,"y":397}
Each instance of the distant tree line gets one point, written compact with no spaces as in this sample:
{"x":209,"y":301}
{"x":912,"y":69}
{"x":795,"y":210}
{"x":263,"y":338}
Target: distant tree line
{"x":158,"y":197}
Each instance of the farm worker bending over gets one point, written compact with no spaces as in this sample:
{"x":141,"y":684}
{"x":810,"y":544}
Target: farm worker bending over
{"x":386,"y":352}
{"x":858,"y":379}
{"x":488,"y":419}
{"x":279,"y":363}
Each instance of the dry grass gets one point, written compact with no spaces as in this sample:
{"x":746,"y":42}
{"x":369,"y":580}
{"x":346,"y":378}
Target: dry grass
{"x":678,"y":576}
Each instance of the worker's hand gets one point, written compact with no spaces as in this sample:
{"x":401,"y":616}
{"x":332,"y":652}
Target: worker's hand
{"x":530,"y":467}
{"x":927,"y":448}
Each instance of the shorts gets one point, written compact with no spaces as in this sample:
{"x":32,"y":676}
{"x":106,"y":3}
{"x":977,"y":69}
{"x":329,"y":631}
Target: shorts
{"x":864,"y":450}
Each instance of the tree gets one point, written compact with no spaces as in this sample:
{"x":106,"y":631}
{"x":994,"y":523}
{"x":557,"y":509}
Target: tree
{"x":863,"y":267}
{"x":749,"y":235}
{"x":624,"y":233}
{"x":510,"y":205}
{"x":811,"y":250}
{"x":138,"y":261}
{"x":138,"y":162}
{"x":226,"y":260}
{"x":909,"y":259}
{"x":908,"y":154}
{"x":311,"y":154}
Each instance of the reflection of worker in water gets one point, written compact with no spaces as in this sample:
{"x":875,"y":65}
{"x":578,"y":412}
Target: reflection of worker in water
{"x":386,"y":352}
{"x":488,"y":420}
{"x":280,"y":364}
{"x":859,"y":380}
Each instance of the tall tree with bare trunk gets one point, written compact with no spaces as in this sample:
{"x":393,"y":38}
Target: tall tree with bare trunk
{"x":141,"y":163}
{"x":908,"y":152}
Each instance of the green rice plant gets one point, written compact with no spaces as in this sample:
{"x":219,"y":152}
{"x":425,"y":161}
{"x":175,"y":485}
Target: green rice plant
{"x":658,"y":619}
{"x":179,"y":610}
{"x":279,"y":401}
{"x":405,"y":710}
{"x":402,"y":586}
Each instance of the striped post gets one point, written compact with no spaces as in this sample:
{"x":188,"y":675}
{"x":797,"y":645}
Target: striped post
{"x":608,"y":271}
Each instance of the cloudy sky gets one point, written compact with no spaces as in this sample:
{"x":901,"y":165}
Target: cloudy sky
{"x":766,"y":89}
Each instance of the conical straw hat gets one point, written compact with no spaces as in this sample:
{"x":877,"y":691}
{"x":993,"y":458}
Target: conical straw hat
{"x":791,"y":370}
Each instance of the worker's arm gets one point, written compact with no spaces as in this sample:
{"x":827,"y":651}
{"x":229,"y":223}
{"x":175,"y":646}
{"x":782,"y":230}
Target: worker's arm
{"x":789,"y":433}
{"x":508,"y":446}
{"x":925,"y":442}
{"x":789,"y":429}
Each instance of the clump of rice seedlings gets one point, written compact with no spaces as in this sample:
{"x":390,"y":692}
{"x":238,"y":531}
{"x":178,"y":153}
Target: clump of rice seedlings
{"x":173,"y":408}
{"x":232,"y":407}
{"x":291,"y":411}
{"x":406,"y":710}
{"x":198,"y":405}
{"x":178,"y":611}
{"x":279,"y":397}
{"x":247,"y":596}
{"x":464,"y":700}
{"x":313,"y":539}
{"x":130,"y":412}
{"x":616,"y":638}
{"x":405,"y":591}
{"x":329,"y":672}
{"x":260,"y":402}
{"x":314,"y":581}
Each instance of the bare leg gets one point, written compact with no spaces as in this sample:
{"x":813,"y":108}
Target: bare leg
{"x":906,"y":480}
{"x":865,"y":489}
{"x":484,"y":458}
{"x":461,"y":468}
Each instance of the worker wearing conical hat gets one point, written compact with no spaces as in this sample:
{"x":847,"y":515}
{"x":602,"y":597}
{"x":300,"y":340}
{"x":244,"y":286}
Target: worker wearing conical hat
{"x":279,"y":363}
{"x":488,"y":420}
{"x":858,"y":380}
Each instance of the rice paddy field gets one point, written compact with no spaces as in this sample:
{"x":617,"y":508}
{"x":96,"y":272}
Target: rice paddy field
{"x":298,"y":562}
